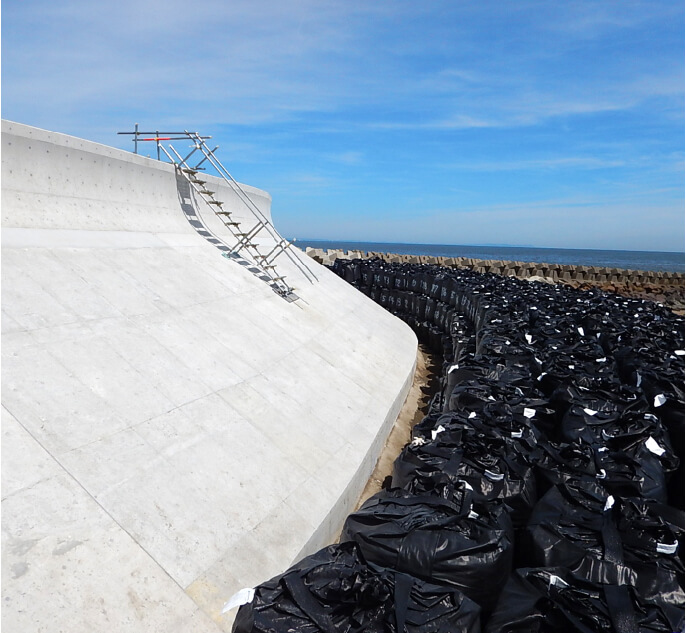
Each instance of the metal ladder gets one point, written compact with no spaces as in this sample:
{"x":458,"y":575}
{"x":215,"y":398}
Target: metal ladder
{"x":259,"y":263}
{"x":264,"y":262}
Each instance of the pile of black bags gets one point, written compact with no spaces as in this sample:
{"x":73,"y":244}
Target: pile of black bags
{"x":542,"y":492}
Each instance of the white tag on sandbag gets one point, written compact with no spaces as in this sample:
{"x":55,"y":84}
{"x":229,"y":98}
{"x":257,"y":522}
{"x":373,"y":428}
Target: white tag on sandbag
{"x":529,"y":338}
{"x":590,"y":412}
{"x":580,"y":330}
{"x":609,"y":503}
{"x":436,"y":432}
{"x":453,"y":368}
{"x":680,"y":352}
{"x":517,"y":434}
{"x":663,"y":548}
{"x":417,"y":441}
{"x":529,"y":413}
{"x":659,"y":400}
{"x":472,"y":415}
{"x":239,"y":599}
{"x":556,"y":581}
{"x":654,"y":447}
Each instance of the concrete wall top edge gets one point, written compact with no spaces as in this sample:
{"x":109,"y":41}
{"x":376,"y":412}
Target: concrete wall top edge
{"x":73,"y":142}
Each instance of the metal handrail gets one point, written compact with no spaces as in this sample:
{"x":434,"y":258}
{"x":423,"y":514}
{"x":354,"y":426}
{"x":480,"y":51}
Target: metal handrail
{"x":282,"y":245}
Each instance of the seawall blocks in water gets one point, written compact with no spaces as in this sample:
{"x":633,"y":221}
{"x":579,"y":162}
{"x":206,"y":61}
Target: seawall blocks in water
{"x":551,"y":272}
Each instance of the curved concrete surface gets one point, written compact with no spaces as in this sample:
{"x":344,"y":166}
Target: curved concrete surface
{"x":172,"y":429}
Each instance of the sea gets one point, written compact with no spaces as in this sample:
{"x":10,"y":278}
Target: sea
{"x":629,"y":260}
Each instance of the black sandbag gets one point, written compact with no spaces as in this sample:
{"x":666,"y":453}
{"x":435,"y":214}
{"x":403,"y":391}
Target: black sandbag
{"x":482,"y":458}
{"x":623,"y":466}
{"x":486,"y":418}
{"x":449,"y":541}
{"x":665,"y":393}
{"x":336,"y":591}
{"x":575,"y":523}
{"x":500,"y":406}
{"x":553,"y":600}
{"x":640,"y":435}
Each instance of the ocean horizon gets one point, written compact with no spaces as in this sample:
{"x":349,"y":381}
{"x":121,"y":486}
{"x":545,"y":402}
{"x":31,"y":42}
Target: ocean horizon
{"x":629,"y":260}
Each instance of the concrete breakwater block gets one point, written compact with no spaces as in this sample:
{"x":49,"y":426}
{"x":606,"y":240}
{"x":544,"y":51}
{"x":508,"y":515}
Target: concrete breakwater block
{"x":553,"y":272}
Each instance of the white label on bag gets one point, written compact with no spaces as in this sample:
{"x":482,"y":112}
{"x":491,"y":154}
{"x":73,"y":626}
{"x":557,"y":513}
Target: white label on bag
{"x":239,"y":599}
{"x":663,"y":548}
{"x":473,"y":515}
{"x":418,"y":441}
{"x":529,"y":413}
{"x":556,"y":581}
{"x":516,"y":434}
{"x":590,"y":412}
{"x":581,"y":331}
{"x":638,"y":380}
{"x":659,"y":400}
{"x":654,"y":447}
{"x":570,"y":366}
{"x":472,"y":415}
{"x":609,"y":503}
{"x":601,"y":360}
{"x":528,"y":338}
{"x":545,"y":373}
{"x":436,"y":432}
{"x":680,"y":352}
{"x":602,"y":474}
{"x":453,"y":368}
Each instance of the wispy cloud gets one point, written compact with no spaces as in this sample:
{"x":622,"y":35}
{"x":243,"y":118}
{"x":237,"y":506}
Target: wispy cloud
{"x":569,"y":162}
{"x":393,"y":104}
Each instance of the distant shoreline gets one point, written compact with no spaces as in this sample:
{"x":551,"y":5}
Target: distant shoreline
{"x":656,"y":261}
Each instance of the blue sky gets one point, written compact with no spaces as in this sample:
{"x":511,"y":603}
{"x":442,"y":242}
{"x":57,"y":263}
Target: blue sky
{"x":548,"y":123}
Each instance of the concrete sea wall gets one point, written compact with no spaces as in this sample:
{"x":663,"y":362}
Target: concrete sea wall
{"x":172,"y":429}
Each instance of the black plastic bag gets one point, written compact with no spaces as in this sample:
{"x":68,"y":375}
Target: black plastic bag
{"x":336,"y":591}
{"x":578,"y":524}
{"x":486,"y":460}
{"x":624,"y":466}
{"x":448,"y":541}
{"x":553,"y":600}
